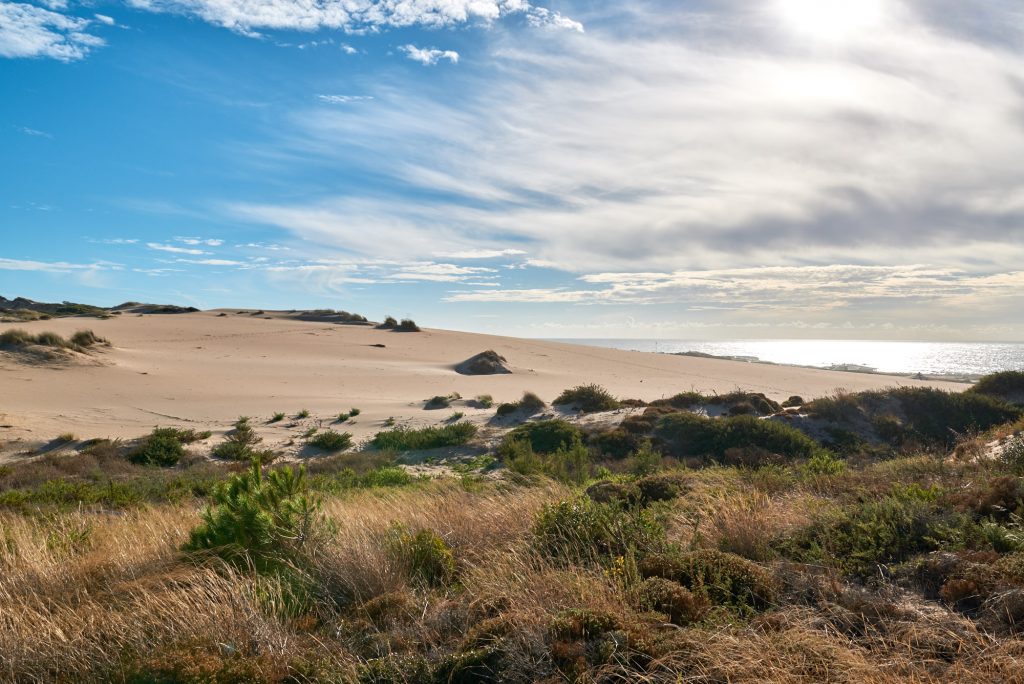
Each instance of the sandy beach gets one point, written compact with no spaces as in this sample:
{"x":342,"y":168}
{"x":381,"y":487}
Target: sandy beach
{"x":203,"y":370}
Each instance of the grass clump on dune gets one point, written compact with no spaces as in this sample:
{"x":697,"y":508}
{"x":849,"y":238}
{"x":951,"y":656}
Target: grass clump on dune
{"x":588,"y":399}
{"x":329,"y":440}
{"x":721,"y":439}
{"x":528,"y":405}
{"x":163,"y":447}
{"x":410,"y":439}
{"x":1007,"y":386}
{"x":80,"y":341}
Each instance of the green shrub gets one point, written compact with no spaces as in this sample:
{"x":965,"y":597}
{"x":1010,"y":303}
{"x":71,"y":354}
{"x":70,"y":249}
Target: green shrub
{"x":570,"y":463}
{"x":425,"y":555}
{"x":85,"y":339}
{"x":407,"y":325}
{"x":723,"y":578}
{"x":588,"y":399}
{"x":618,"y":443}
{"x":390,"y":323}
{"x":546,"y":436}
{"x":687,"y":434}
{"x":438,"y":402}
{"x":793,"y":401}
{"x":824,"y":463}
{"x":1013,"y":454}
{"x":645,"y":460}
{"x":163,"y":447}
{"x":353,"y":412}
{"x":484,"y":401}
{"x":304,"y":413}
{"x":907,"y":521}
{"x":671,"y":598}
{"x":277,"y":417}
{"x":343,"y":417}
{"x":408,"y":439}
{"x":529,"y":405}
{"x":1005,"y":385}
{"x":329,"y":440}
{"x":583,"y":530}
{"x":239,"y":443}
{"x":257,"y":519}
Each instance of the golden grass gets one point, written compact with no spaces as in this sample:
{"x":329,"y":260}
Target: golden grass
{"x":96,"y":597}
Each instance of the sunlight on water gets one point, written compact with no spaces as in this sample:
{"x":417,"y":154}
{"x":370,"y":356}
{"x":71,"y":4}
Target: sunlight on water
{"x":929,"y":358}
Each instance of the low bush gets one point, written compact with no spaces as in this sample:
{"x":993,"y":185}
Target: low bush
{"x":616,"y":444}
{"x":484,"y":401}
{"x":588,"y":399}
{"x":389,"y":323}
{"x":425,"y":555}
{"x":891,"y":530}
{"x":1012,"y":455}
{"x":687,"y":435}
{"x":407,"y":325}
{"x":528,"y":405}
{"x":546,"y":436}
{"x":163,"y":447}
{"x":723,"y":578}
{"x":80,"y":341}
{"x":329,"y":440}
{"x":258,"y":521}
{"x":277,"y":417}
{"x":682,"y":606}
{"x":239,"y":443}
{"x":582,"y":530}
{"x":408,"y":439}
{"x":1008,"y":385}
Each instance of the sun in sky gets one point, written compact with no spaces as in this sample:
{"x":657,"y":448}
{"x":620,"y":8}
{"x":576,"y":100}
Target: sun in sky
{"x":832,"y":20}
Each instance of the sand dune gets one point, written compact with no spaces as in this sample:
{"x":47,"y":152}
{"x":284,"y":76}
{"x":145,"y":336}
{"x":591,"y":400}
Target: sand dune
{"x":204,"y":370}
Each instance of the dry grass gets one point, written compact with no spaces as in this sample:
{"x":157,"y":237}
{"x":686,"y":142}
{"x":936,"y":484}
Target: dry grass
{"x":90,"y":596}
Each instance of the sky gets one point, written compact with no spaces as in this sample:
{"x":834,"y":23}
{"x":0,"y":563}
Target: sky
{"x":686,"y":169}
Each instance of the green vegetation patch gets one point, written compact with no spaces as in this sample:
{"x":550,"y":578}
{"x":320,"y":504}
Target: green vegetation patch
{"x":409,"y":439}
{"x":738,"y":440}
{"x":588,"y":399}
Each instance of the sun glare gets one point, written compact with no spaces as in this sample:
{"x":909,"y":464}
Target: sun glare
{"x":831,"y":20}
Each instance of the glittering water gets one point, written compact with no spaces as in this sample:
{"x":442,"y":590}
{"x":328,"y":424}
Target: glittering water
{"x":959,"y":359}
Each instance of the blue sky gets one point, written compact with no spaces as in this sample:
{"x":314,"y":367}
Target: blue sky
{"x":644,"y":168}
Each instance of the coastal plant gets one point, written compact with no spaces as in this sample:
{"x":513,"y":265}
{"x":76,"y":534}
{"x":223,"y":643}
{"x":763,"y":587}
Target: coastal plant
{"x":720,"y":577}
{"x":528,"y":405}
{"x":484,"y":401}
{"x":389,"y":323}
{"x":547,"y":436}
{"x":162,"y":447}
{"x":425,"y":555}
{"x":304,"y":413}
{"x":259,"y":521}
{"x":588,"y":399}
{"x":407,"y":325}
{"x":689,"y":435}
{"x":410,"y":439}
{"x":353,"y":412}
{"x":329,"y":440}
{"x":277,"y":417}
{"x":581,"y":530}
{"x":238,"y":444}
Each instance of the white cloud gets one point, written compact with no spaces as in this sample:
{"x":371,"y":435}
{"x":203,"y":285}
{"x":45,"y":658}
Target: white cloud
{"x":104,"y":19}
{"x":30,"y":31}
{"x":213,"y":262}
{"x":53,"y":266}
{"x":209,"y":242}
{"x":356,"y":16}
{"x":483,"y":254}
{"x":429,"y":56}
{"x":343,"y":99}
{"x":120,"y":241}
{"x":36,"y":133}
{"x":680,"y":141}
{"x":348,"y":49}
{"x":175,"y":250}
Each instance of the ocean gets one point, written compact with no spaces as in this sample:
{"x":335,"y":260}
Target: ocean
{"x":953,"y":359}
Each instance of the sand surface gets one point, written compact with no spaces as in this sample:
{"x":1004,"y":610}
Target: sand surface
{"x":203,"y":371}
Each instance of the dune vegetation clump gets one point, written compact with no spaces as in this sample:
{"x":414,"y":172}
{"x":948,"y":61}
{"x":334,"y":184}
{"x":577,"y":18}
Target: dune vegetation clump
{"x":588,"y":399}
{"x":1006,"y":386}
{"x":410,"y":439}
{"x":164,"y":447}
{"x":329,"y":440}
{"x":81,"y":341}
{"x":239,"y":445}
{"x":529,"y":405}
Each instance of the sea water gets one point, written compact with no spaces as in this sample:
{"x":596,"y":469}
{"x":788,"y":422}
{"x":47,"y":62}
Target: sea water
{"x":957,"y":359}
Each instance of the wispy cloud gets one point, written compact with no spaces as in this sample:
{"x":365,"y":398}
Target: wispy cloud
{"x":355,"y":16}
{"x":54,"y":266}
{"x":483,"y":254}
{"x":209,"y":242}
{"x":173,"y":249}
{"x":343,"y":99}
{"x":31,"y":31}
{"x":34,"y":132}
{"x":429,"y":56}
